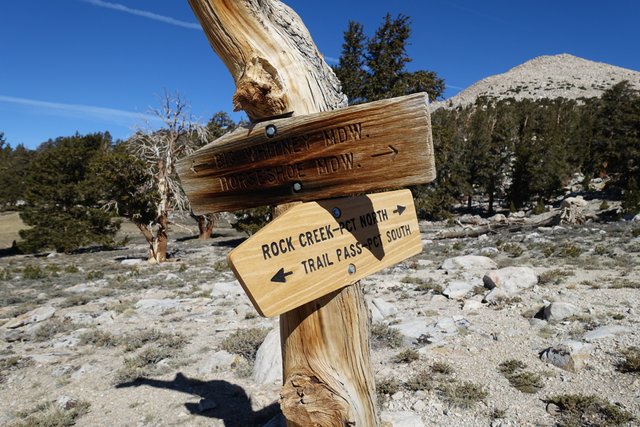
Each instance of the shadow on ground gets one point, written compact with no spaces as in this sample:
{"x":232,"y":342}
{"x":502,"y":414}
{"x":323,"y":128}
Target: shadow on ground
{"x":232,"y":405}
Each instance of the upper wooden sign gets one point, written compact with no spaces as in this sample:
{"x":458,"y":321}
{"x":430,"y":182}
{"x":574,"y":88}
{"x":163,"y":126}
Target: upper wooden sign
{"x":318,"y":247}
{"x":382,"y":144}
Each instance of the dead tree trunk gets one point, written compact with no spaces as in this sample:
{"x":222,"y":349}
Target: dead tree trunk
{"x":205,"y":225}
{"x":277,"y":68}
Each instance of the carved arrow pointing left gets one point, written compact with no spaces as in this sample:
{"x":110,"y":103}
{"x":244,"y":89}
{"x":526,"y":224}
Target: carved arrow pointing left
{"x":281,"y":276}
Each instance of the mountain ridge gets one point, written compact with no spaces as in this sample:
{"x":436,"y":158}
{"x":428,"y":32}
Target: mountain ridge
{"x":548,"y":76}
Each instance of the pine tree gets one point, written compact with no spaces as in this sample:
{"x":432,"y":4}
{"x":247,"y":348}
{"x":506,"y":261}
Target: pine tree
{"x":63,"y":205}
{"x":386,"y":58}
{"x":14,"y":163}
{"x":618,"y":137}
{"x":373,"y":69}
{"x":350,"y":69}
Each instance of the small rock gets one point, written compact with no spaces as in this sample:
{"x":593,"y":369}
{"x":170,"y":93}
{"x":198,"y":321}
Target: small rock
{"x":39,"y":314}
{"x":399,"y":395}
{"x":133,"y":261}
{"x":206,"y":404}
{"x":457,"y":289}
{"x":66,"y":342}
{"x":419,"y":406}
{"x":268,"y":365}
{"x":66,"y":403}
{"x":489,"y":250}
{"x":13,"y":335}
{"x":385,"y":308}
{"x":498,"y":219}
{"x":471,"y":305}
{"x":512,"y":280}
{"x":495,"y":295}
{"x":558,"y":311}
{"x":376,"y":316}
{"x":156,"y":306}
{"x":532,"y":237}
{"x":469,"y":262}
{"x":62,"y":371}
{"x":225,"y":289}
{"x":411,"y":329}
{"x":569,"y":355}
{"x":220,"y":361}
{"x":402,"y":419}
{"x":603,"y":332}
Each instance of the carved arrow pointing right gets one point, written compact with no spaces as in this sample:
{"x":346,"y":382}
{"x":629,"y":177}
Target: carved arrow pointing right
{"x":393,"y":151}
{"x":400,"y":209}
{"x":281,"y":276}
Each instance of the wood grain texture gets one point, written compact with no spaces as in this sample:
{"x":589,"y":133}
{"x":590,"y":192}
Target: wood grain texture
{"x":358,"y":149}
{"x":325,"y":344}
{"x":271,"y":56}
{"x":308,"y":253}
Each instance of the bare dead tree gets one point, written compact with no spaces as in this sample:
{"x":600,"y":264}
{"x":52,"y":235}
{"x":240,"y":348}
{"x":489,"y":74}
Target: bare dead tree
{"x":160,"y":149}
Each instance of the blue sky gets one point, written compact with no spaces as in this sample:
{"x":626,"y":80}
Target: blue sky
{"x":97,"y":65}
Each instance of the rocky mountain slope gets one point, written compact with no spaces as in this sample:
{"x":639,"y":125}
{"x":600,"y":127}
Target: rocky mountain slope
{"x":536,"y":326}
{"x":549,"y":76}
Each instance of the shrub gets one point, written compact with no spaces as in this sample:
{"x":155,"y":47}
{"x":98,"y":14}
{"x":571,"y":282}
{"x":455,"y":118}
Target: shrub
{"x":51,"y":328}
{"x":245,"y":342}
{"x":526,"y":382}
{"x":250,"y":221}
{"x":99,"y":338}
{"x":464,"y":395}
{"x":423,"y":380}
{"x":384,"y":336}
{"x":442,"y":368}
{"x":575,"y":409}
{"x":33,"y":272}
{"x":423,"y":285}
{"x":406,"y":356}
{"x":140,"y":338}
{"x":514,"y":250}
{"x":387,"y":386}
{"x":95,"y":275}
{"x":553,"y":277}
{"x":631,"y":362}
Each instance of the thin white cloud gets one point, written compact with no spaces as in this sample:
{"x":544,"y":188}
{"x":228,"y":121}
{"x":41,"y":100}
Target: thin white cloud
{"x":455,"y":87}
{"x":145,"y":14}
{"x":81,"y":111}
{"x":331,"y":60}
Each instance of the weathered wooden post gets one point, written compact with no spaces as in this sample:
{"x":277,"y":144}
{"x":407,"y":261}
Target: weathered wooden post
{"x":279,"y":72}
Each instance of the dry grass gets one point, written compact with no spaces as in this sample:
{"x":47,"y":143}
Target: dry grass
{"x":50,"y":415}
{"x":10,"y":225}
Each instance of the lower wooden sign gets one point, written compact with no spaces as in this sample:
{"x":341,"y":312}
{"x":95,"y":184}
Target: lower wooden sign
{"x":318,"y":247}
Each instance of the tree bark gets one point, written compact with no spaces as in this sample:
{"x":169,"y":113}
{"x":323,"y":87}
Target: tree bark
{"x":160,"y":243}
{"x":328,"y":380}
{"x":205,"y":225}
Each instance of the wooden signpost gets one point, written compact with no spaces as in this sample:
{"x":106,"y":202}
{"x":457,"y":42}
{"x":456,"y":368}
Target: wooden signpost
{"x":366,"y":147}
{"x":317,"y":154}
{"x":318,"y":247}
